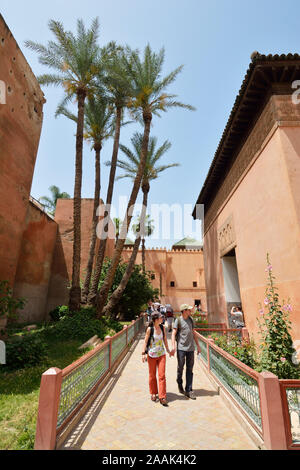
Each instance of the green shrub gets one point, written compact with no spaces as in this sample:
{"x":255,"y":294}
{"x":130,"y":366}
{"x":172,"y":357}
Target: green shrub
{"x":25,"y":351}
{"x":138,"y":292}
{"x":276,"y":349}
{"x":83,"y":325}
{"x":240,"y":349}
{"x":58,"y":312}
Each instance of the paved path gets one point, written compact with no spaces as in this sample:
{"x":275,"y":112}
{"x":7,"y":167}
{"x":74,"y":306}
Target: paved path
{"x":124,"y":418}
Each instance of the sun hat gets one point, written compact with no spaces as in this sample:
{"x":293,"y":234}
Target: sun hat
{"x":185,"y":307}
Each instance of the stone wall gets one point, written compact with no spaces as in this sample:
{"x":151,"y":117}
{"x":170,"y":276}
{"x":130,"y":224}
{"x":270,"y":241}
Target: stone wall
{"x":256,"y":211}
{"x":34,"y":264}
{"x":183,"y":267}
{"x":20,"y":127}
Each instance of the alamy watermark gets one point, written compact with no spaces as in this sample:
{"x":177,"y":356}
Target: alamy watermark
{"x":2,"y":92}
{"x":170,"y":221}
{"x":2,"y":352}
{"x":295,"y":95}
{"x":296,"y":355}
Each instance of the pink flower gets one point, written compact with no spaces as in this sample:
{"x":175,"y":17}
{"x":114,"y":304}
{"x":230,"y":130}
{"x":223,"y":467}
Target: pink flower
{"x":269,"y":268}
{"x":283,"y":359}
{"x":261,"y":311}
{"x":266,"y":301}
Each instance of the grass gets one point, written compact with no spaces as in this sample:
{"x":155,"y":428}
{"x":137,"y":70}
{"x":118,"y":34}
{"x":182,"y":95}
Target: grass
{"x":19,"y":393}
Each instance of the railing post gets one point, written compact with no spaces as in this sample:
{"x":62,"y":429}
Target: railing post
{"x":245,"y":335}
{"x":209,"y":341}
{"x":272,"y":412}
{"x":125,"y":327}
{"x":45,"y":438}
{"x":110,"y":349}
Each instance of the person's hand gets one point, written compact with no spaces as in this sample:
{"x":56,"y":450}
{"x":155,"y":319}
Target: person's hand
{"x":144,"y":357}
{"x":173,"y":352}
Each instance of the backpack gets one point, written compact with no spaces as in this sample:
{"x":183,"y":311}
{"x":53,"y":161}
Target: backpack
{"x":151,"y":336}
{"x":179,"y":326}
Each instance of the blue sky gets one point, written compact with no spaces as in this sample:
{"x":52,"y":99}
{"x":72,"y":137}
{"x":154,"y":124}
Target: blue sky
{"x":214,"y":41}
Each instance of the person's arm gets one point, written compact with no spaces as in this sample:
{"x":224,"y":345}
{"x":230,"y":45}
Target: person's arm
{"x":166,"y":345}
{"x":173,"y":340}
{"x":145,"y":344}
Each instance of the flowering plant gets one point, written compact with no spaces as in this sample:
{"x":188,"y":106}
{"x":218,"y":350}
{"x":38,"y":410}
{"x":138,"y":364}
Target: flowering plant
{"x":276,"y":349}
{"x":243,"y":350}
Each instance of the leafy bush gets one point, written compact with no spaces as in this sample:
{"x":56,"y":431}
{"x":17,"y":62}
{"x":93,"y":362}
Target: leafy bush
{"x":82,"y":325}
{"x":59,"y":312}
{"x":9,"y":304}
{"x":199,"y":321}
{"x":138,"y":292}
{"x":25,"y":351}
{"x":277,"y":351}
{"x":242,"y":350}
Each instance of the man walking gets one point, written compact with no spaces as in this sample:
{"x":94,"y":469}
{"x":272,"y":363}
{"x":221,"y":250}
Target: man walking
{"x":170,"y":315}
{"x":184,"y":334}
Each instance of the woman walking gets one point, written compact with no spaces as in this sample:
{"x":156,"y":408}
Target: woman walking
{"x":154,"y":350}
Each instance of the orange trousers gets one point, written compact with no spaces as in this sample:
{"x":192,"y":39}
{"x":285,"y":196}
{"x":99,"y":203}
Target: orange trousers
{"x":160,"y":364}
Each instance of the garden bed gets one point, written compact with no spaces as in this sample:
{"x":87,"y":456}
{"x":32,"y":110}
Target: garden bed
{"x":20,"y":388}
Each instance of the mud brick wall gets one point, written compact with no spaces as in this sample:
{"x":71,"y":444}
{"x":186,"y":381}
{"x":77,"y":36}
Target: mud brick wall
{"x":35,"y":262}
{"x":20,"y":127}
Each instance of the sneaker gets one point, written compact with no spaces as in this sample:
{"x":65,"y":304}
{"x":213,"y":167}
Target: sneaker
{"x":163,"y":402}
{"x":190,"y":395}
{"x":180,"y":389}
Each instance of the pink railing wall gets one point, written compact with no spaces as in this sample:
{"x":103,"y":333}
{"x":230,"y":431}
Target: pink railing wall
{"x":275,"y":416}
{"x":51,"y":381}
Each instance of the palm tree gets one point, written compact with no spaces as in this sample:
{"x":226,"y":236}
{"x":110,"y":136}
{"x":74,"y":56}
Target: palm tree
{"x":142,"y":228}
{"x":148,"y":99}
{"x":119,"y":90}
{"x":50,"y":203}
{"x":146,"y":232}
{"x":98,"y":127}
{"x":76,"y":61}
{"x":152,"y":170}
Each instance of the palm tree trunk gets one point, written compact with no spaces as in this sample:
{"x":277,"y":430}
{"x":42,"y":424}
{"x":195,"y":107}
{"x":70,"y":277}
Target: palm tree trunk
{"x":143,"y":254}
{"x":104,"y":233}
{"x":89,"y":267}
{"x":103,"y":293}
{"x":75,"y":291}
{"x":117,"y":294}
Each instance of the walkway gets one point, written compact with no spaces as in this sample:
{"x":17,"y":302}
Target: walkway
{"x":124,"y":418}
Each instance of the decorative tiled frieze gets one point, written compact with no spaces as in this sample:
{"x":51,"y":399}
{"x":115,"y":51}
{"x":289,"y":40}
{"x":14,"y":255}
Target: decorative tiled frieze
{"x":226,"y":236}
{"x":279,"y":109}
{"x":252,"y":145}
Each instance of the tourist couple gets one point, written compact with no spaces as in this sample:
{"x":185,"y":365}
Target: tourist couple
{"x":156,"y":346}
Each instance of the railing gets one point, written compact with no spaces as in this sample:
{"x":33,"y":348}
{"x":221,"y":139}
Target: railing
{"x":290,"y":393}
{"x":222,"y":332}
{"x":271,"y":406}
{"x":239,"y":380}
{"x":64,"y":392}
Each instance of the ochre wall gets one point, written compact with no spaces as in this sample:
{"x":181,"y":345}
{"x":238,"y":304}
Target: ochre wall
{"x":20,"y":127}
{"x":265,"y":208}
{"x":34,"y":264}
{"x":182,"y":267}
